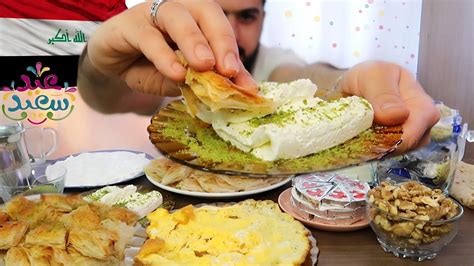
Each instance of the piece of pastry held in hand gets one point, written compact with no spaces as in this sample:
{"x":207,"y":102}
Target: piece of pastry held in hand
{"x":208,"y":90}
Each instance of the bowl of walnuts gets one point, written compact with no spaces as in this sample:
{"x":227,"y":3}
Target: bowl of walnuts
{"x":412,"y":220}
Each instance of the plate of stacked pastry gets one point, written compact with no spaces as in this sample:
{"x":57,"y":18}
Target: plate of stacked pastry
{"x":55,"y":229}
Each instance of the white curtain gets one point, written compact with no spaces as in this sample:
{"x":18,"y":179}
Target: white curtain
{"x":346,"y":32}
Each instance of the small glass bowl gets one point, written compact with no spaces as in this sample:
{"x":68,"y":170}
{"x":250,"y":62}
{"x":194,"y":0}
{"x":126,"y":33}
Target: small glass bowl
{"x":31,"y":180}
{"x":426,"y":239}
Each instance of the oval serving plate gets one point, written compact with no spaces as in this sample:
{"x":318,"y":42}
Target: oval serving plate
{"x":194,"y":143}
{"x":100,"y":183}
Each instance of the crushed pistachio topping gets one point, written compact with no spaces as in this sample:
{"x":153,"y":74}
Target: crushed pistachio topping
{"x":280,"y":119}
{"x":202,"y":141}
{"x":98,"y":194}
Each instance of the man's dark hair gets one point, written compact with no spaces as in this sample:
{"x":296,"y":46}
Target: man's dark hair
{"x":263,"y":2}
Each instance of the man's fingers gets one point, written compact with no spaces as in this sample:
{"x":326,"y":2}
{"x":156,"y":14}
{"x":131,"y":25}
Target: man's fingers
{"x":379,"y":83}
{"x":388,"y":107}
{"x":155,"y":48}
{"x":423,"y":116}
{"x":245,"y":80}
{"x":423,"y":113}
{"x":220,"y":35}
{"x":407,"y":146}
{"x":174,"y":19}
{"x":143,"y":76}
{"x":203,"y":33}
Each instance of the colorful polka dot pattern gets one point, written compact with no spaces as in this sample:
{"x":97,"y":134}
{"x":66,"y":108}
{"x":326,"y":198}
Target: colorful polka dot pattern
{"x":346,"y":32}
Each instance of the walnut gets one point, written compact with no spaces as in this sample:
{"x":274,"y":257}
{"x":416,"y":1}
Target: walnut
{"x":383,"y":222}
{"x":430,"y":239}
{"x":406,"y":205}
{"x":417,"y":234}
{"x":411,"y":200}
{"x":429,"y":201}
{"x":403,"y":228}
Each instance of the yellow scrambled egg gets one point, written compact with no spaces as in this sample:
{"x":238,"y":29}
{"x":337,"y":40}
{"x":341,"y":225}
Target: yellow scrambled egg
{"x":248,"y":233}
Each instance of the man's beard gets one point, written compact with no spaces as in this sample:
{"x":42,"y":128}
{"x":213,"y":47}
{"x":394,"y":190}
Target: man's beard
{"x":248,"y":60}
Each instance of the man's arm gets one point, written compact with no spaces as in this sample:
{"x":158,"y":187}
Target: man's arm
{"x":109,"y":94}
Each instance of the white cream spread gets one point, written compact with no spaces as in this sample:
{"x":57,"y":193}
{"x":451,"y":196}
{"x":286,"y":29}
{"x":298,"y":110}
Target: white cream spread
{"x":301,"y":125}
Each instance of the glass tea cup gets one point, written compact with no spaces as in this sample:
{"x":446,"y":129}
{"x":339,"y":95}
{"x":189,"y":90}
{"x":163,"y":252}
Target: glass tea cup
{"x":41,"y":142}
{"x":31,"y":180}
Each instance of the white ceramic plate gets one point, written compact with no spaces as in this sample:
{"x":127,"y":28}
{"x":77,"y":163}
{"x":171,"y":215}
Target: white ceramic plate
{"x":100,"y":183}
{"x":217,"y":195}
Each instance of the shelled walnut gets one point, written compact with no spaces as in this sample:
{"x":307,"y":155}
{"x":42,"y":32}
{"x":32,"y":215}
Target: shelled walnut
{"x":411,"y":213}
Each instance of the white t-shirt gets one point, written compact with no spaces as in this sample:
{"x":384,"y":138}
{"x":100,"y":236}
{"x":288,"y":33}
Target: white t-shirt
{"x":269,"y":58}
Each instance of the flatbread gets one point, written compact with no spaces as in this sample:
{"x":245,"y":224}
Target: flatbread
{"x":463,"y":184}
{"x":182,"y":177}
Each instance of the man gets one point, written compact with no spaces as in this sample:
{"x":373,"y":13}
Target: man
{"x":130,"y":64}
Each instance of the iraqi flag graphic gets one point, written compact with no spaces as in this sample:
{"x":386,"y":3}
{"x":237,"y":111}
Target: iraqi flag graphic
{"x":52,"y":32}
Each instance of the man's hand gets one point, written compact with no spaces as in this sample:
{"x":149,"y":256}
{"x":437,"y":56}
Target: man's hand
{"x":131,"y":48}
{"x":397,"y":98}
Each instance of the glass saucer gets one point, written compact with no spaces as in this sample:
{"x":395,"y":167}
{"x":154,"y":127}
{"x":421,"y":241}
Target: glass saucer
{"x":194,"y":143}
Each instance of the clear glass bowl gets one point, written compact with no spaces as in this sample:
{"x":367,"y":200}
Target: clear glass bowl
{"x":31,"y":180}
{"x":412,"y":238}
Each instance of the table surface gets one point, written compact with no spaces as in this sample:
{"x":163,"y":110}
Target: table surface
{"x":361,"y":247}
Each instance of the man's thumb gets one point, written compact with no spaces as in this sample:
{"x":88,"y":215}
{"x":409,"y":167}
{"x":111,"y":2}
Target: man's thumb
{"x":389,"y":109}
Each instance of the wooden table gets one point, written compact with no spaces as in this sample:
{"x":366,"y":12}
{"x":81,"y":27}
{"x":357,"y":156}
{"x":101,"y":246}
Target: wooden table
{"x":361,"y":247}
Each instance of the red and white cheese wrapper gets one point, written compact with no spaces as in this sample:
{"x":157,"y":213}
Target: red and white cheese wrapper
{"x":335,"y":216}
{"x":331,"y":197}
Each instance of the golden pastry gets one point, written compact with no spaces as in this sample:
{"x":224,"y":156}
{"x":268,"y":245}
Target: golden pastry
{"x":79,"y":260}
{"x":17,"y":256}
{"x":217,"y":92}
{"x":40,"y":255}
{"x":97,"y":244}
{"x":64,"y":230}
{"x":20,"y":208}
{"x":47,"y":234}
{"x":11,"y":234}
{"x":66,"y":203}
{"x":4,"y":217}
{"x":82,"y":217}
